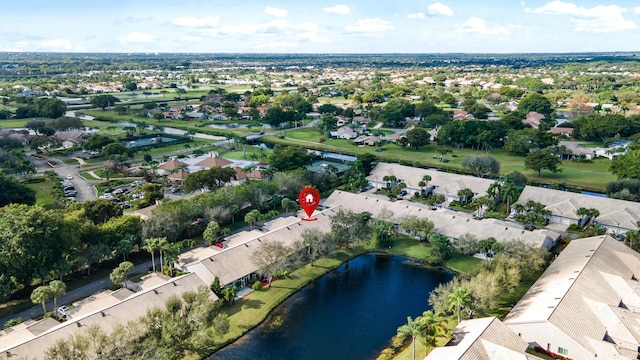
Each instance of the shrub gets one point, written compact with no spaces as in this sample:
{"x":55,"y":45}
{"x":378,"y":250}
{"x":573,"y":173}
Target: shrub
{"x":257,"y":286}
{"x":13,"y":322}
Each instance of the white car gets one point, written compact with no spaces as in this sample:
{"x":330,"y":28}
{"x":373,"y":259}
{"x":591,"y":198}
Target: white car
{"x":63,"y":309}
{"x":69,"y":177}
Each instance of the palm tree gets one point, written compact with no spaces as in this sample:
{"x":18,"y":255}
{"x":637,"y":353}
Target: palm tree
{"x":433,"y":325}
{"x":163,"y":244}
{"x":631,"y":237}
{"x":509,"y":192}
{"x":150,"y":246}
{"x":171,"y":256}
{"x":40,"y":295}
{"x":519,"y":208}
{"x":426,"y":179}
{"x":57,"y":288}
{"x":459,"y":299}
{"x":389,"y":179}
{"x":412,"y":328}
{"x":593,"y":214}
{"x":494,"y":191}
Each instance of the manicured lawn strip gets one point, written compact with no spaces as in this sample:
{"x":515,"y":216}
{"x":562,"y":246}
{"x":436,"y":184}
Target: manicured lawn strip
{"x":463,"y":264}
{"x":407,"y":246}
{"x":13,"y":123}
{"x":88,"y":176}
{"x":589,"y":176}
{"x":239,"y":155}
{"x":43,"y":193}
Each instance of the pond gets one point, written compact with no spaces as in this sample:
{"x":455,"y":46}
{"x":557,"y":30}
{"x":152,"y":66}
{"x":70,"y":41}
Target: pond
{"x":350,"y":313}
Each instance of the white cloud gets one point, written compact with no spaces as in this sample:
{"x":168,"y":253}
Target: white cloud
{"x":279,"y":13}
{"x":637,"y":10}
{"x":417,"y":15}
{"x":439,"y":9}
{"x":337,"y":9}
{"x":58,"y":44}
{"x":137,"y":37}
{"x":600,"y":18}
{"x":371,"y":25}
{"x":191,"y":21}
{"x":252,"y":29}
{"x":479,"y":26}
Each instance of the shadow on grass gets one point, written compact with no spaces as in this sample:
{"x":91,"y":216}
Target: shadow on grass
{"x":243,"y":304}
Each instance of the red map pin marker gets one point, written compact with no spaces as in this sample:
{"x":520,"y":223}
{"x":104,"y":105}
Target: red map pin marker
{"x":309,"y":200}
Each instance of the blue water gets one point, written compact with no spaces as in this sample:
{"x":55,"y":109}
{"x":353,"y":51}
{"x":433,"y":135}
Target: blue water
{"x":350,"y":313}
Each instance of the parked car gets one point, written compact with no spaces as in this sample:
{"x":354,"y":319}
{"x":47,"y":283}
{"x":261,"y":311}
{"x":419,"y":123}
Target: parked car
{"x":69,"y":177}
{"x":530,"y":227}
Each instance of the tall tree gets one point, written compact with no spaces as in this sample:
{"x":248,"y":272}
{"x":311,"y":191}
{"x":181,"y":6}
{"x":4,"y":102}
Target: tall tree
{"x":210,"y":234}
{"x":271,"y":258}
{"x":57,"y":289}
{"x":418,"y":137}
{"x":413,"y":328}
{"x":538,"y":160}
{"x":40,"y":295}
{"x":481,"y":166}
{"x":459,"y":299}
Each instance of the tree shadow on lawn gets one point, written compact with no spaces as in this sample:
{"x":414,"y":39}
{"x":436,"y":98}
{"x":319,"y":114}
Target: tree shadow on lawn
{"x":243,"y":304}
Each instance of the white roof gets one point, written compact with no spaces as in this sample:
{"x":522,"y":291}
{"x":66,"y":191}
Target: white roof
{"x":235,"y":262}
{"x":447,"y":222}
{"x":108,"y":317}
{"x":446,"y":183}
{"x":479,"y":339}
{"x":613,"y":212}
{"x":581,"y":294}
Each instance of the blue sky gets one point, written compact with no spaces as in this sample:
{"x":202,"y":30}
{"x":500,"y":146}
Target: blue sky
{"x":360,"y":26}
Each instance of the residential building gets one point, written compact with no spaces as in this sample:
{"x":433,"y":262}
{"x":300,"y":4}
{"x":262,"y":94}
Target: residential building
{"x":450,"y":223}
{"x":618,"y":216}
{"x":70,"y":139}
{"x":586,"y":305}
{"x":36,"y":340}
{"x":479,"y":339}
{"x":344,"y":132}
{"x":443,"y":183}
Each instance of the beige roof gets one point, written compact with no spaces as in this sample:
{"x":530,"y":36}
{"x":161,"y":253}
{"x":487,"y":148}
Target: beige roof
{"x":482,"y":339}
{"x":170,"y":165}
{"x":613,"y":212}
{"x":212,"y":161}
{"x":145,"y":213}
{"x":108,"y":317}
{"x":235,"y":262}
{"x":446,"y":183}
{"x":447,"y":222}
{"x":588,"y":291}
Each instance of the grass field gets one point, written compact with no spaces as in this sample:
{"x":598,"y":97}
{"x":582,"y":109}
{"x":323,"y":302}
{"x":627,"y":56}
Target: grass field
{"x":43,"y":193}
{"x":589,"y":176}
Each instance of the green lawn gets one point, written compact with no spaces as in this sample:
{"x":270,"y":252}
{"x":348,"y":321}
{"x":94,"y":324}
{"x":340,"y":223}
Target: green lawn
{"x":463,"y":264}
{"x":43,"y":193}
{"x":13,"y":123}
{"x":240,"y":154}
{"x":589,"y":176}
